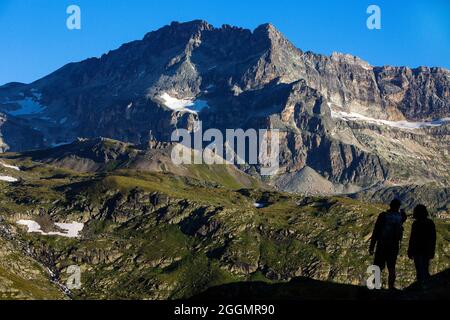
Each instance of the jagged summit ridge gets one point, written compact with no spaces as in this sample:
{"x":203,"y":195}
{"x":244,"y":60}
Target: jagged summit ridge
{"x":339,"y":116}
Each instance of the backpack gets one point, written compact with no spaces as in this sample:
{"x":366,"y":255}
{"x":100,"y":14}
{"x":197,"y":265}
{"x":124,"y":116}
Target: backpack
{"x":392,"y":228}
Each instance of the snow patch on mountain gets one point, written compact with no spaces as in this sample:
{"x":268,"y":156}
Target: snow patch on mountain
{"x":9,"y":166}
{"x":409,"y":125}
{"x":8,"y":179}
{"x":73,"y":229}
{"x":70,"y":230}
{"x":183,"y":105}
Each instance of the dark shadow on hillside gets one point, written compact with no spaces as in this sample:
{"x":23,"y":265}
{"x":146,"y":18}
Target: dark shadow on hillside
{"x":308,"y":289}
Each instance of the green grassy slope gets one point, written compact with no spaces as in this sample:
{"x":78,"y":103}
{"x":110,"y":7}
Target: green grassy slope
{"x":156,"y":235}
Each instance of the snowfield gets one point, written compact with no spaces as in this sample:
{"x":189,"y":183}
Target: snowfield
{"x":32,"y":226}
{"x":409,"y":125}
{"x":9,"y":166}
{"x":8,"y":179}
{"x":71,"y":230}
{"x":183,"y":105}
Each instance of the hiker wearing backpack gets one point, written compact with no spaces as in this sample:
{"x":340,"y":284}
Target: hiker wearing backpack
{"x":387,"y":236}
{"x":422,"y":243}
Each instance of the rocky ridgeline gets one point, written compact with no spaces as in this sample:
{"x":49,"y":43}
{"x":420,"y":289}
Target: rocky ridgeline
{"x":247,"y":79}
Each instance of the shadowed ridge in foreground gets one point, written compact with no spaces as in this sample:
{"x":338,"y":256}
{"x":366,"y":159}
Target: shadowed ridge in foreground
{"x":308,"y":289}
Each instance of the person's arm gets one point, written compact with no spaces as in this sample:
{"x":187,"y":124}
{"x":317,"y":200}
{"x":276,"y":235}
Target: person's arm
{"x":375,"y":234}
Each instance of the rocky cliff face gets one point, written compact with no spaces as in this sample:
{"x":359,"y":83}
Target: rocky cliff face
{"x":394,"y":93}
{"x":354,"y":125}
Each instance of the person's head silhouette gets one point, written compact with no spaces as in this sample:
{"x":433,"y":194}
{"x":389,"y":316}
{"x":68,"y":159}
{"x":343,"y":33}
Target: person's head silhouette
{"x":420,"y":212}
{"x":395,"y":205}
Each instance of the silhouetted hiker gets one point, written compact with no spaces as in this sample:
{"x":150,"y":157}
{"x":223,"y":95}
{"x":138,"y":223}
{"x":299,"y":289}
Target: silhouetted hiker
{"x":387,"y":235}
{"x":422,"y":243}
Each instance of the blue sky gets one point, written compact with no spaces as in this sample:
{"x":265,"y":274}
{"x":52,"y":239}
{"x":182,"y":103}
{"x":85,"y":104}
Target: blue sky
{"x":35,"y":40}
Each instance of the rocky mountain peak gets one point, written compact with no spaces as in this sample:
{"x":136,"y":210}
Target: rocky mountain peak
{"x":173,"y":36}
{"x":332,"y":109}
{"x":270,"y":34}
{"x":180,"y":29}
{"x":267,"y":28}
{"x":194,"y":24}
